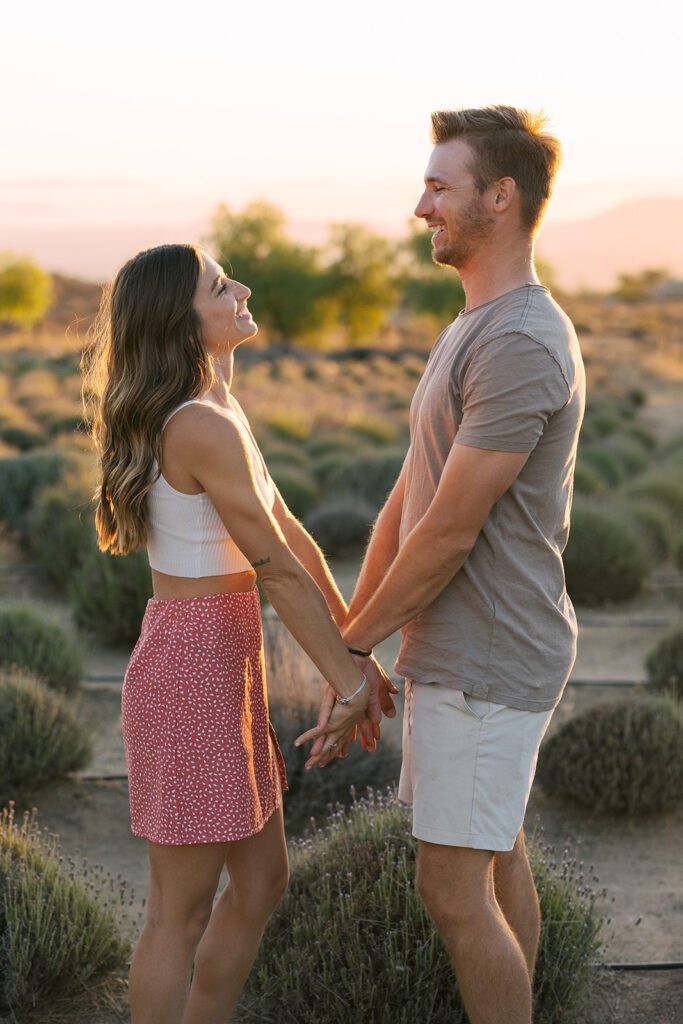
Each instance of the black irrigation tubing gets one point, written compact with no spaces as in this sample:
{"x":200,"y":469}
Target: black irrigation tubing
{"x":663,"y":965}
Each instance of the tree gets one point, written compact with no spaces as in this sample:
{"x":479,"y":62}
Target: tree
{"x":636,"y":287}
{"x":426,"y":287}
{"x":359,"y":282}
{"x":285,"y":278}
{"x":25,"y":290}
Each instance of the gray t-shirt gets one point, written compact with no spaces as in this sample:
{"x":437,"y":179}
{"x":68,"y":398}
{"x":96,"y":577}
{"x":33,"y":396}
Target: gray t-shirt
{"x":506,"y":376}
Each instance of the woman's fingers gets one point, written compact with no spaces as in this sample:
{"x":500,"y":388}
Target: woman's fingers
{"x":312,"y":734}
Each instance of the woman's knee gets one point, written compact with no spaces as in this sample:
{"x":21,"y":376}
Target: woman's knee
{"x":186,"y":921}
{"x":259,"y":899}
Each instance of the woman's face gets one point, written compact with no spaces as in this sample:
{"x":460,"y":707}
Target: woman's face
{"x":221,"y":305}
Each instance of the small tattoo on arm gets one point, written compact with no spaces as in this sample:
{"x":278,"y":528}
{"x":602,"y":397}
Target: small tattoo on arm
{"x":262,"y":561}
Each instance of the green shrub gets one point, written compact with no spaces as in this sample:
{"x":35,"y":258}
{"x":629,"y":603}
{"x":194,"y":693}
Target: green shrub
{"x":329,"y":465}
{"x":371,"y":475}
{"x":21,"y":479}
{"x":629,"y":454}
{"x":326,"y":444}
{"x":59,"y":927}
{"x":294,"y":694}
{"x":342,"y":524}
{"x":604,"y":560}
{"x":109,"y":595}
{"x":285,"y":455}
{"x":299,"y":491}
{"x":600,"y":424}
{"x":618,"y":757}
{"x":40,"y":738}
{"x":40,"y":647}
{"x":65,"y":422}
{"x":352,"y":935}
{"x":645,"y":438}
{"x":287,"y":424}
{"x":587,"y":480}
{"x":22,"y":438}
{"x":664,"y":664}
{"x":653,"y":525}
{"x":665,"y":490}
{"x":605,"y":463}
{"x":60,"y":534}
{"x":372,"y":428}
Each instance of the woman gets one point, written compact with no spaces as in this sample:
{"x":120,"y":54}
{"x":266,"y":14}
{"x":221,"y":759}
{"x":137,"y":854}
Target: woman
{"x":182,"y":474}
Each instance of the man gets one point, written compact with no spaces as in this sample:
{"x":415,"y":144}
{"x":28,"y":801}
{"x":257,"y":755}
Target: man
{"x":466,"y":553}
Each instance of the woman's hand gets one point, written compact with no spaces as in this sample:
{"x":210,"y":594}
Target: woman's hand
{"x":337,"y":727}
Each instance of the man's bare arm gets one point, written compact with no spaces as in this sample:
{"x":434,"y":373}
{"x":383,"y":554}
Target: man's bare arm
{"x":472,"y":482}
{"x":382,"y":549}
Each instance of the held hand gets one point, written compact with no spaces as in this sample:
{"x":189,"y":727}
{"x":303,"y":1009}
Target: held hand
{"x":336,"y":729}
{"x":381,"y":688}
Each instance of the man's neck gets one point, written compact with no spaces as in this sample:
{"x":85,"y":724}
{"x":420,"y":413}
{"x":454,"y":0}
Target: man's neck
{"x":494,"y":271}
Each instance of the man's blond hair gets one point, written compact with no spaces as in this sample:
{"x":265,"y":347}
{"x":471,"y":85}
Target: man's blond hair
{"x":506,"y":142}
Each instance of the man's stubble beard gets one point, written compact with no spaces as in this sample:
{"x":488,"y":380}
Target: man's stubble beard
{"x":474,"y":227}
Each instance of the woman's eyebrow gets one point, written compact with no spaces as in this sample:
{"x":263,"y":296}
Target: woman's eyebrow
{"x":213,"y":286}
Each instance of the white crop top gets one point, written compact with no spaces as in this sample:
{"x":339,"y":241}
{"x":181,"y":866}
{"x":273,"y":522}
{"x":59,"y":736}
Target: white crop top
{"x":185,"y":534}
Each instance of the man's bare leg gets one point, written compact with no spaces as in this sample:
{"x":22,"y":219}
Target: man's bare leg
{"x":456,"y":886}
{"x":517,"y":898}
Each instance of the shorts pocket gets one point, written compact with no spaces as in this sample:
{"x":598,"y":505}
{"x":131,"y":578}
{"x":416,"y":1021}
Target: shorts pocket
{"x":473,"y":706}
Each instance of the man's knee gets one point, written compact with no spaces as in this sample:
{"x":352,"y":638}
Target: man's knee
{"x":454,"y":885}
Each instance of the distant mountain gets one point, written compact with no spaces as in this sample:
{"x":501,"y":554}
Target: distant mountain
{"x":634,"y":236}
{"x":587,"y":253}
{"x":93,"y":252}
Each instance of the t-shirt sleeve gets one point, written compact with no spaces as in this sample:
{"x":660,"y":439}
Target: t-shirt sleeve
{"x":509,"y":388}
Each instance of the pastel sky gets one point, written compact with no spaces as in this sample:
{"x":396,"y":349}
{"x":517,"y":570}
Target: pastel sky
{"x":146,"y":112}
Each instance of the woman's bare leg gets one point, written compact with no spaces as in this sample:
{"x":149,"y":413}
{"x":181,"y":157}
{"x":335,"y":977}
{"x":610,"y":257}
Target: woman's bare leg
{"x":182,"y":885}
{"x":259,"y":873}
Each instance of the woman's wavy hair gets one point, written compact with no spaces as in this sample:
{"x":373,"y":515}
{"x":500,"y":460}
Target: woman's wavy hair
{"x":146,"y":357}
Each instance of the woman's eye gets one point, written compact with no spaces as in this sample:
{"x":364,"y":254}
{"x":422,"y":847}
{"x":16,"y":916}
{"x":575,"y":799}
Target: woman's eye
{"x":222,"y":290}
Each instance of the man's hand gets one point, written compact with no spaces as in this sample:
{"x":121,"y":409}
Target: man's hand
{"x":336,"y":731}
{"x":380,"y":688}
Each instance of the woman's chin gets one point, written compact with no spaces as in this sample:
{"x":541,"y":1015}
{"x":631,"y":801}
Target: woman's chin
{"x":249,"y":331}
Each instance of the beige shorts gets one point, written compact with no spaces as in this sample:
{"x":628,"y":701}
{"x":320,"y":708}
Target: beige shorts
{"x":468,"y":766}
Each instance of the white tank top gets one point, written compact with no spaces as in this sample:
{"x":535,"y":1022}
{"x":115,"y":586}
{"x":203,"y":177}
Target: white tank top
{"x":185,"y":534}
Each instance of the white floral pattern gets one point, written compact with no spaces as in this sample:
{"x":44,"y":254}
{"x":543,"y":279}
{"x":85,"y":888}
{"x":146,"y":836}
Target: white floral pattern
{"x":204,"y":765}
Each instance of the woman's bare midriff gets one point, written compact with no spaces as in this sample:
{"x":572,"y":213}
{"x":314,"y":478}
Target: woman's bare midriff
{"x":173,"y":587}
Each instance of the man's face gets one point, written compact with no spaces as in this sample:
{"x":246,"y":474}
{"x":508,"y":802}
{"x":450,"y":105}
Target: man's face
{"x":452,"y":205}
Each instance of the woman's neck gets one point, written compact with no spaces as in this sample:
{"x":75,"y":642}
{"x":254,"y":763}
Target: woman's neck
{"x":220,"y":389}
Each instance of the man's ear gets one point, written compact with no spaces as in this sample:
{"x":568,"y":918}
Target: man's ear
{"x":504,"y":191}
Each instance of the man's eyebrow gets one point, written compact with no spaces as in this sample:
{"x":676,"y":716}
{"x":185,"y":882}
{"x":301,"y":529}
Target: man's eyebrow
{"x":438,"y":181}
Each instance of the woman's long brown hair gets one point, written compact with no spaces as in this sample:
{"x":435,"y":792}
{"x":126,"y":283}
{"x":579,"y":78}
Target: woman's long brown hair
{"x":146,"y":358}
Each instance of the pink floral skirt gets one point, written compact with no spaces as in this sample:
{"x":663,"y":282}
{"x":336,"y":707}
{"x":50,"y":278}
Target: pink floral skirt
{"x":204,"y":765}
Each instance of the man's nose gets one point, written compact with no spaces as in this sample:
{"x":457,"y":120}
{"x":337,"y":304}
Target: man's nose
{"x":423,"y":207}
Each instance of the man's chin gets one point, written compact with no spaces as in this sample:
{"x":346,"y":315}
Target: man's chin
{"x":443,"y":256}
